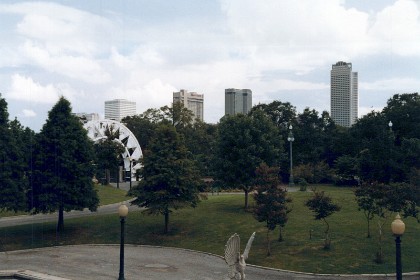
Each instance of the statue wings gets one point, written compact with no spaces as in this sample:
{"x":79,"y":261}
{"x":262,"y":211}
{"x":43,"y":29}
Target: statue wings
{"x":248,"y":246}
{"x":233,"y":249}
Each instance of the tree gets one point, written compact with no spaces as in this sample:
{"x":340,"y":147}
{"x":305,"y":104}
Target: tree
{"x":63,"y":170}
{"x":369,"y":197}
{"x":271,"y":201}
{"x":108,"y":152}
{"x":322,"y":206}
{"x":244,"y":142}
{"x":404,"y":112}
{"x":169,"y":179}
{"x":13,"y":179}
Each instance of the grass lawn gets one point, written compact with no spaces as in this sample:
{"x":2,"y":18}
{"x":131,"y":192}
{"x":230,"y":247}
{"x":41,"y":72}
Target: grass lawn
{"x":207,"y":228}
{"x":107,"y":195}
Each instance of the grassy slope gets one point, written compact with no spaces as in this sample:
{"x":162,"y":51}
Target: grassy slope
{"x":208,"y":227}
{"x":107,"y":195}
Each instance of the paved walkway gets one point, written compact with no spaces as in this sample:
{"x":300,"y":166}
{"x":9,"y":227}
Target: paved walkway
{"x":142,"y":262}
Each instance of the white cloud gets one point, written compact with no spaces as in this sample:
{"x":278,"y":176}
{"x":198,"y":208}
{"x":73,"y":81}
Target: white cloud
{"x":26,"y":89}
{"x":395,"y":84}
{"x":397,"y":29}
{"x":76,"y":67}
{"x":28,"y":113}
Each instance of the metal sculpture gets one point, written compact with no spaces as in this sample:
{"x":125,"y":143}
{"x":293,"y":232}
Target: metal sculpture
{"x":233,"y":256}
{"x":132,"y":150}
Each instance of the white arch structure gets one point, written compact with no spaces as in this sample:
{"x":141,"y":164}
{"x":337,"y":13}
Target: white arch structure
{"x":132,"y":150}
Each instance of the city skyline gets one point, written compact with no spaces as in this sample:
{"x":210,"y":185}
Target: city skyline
{"x":92,"y":51}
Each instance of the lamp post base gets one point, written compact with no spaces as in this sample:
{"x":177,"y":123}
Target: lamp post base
{"x":291,"y":182}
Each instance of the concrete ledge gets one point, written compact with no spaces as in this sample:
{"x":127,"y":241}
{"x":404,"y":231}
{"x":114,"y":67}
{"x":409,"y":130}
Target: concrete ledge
{"x":27,"y":274}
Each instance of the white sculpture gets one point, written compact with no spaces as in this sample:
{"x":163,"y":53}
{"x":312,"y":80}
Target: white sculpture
{"x":233,"y":256}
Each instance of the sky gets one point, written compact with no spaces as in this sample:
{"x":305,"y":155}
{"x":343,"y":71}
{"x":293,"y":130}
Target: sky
{"x":144,"y":50}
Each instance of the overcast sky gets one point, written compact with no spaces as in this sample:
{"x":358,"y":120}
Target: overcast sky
{"x":143,"y":50}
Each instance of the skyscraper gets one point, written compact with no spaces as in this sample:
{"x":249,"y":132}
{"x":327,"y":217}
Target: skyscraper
{"x":192,"y":101}
{"x":118,"y":109}
{"x":344,"y":94}
{"x":237,"y":101}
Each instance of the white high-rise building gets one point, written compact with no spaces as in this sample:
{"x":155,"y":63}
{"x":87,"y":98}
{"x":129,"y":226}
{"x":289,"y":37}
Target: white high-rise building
{"x":118,"y":109}
{"x":238,"y":101}
{"x":344,"y":94}
{"x":192,"y":101}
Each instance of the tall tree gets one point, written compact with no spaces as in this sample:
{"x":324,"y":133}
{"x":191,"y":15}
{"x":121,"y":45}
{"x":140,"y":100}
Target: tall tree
{"x":63,"y":169}
{"x":271,"y":201}
{"x":244,"y":142}
{"x":403,"y":110}
{"x":323,"y":207}
{"x":108,"y":152}
{"x":169,"y":179}
{"x":13,"y":179}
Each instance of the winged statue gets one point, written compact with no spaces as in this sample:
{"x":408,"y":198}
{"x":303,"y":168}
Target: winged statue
{"x":234,"y":258}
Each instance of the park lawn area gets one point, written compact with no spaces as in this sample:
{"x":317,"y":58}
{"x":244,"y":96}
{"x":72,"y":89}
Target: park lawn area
{"x":207,"y":228}
{"x":107,"y":195}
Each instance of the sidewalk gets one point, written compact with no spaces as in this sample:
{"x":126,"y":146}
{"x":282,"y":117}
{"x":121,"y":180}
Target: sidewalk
{"x":144,"y":262}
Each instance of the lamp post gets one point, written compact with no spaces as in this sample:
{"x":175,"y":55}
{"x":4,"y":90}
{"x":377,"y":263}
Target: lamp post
{"x":389,"y":172}
{"x":291,"y":138}
{"x":398,"y":228}
{"x":131,"y":170}
{"x":122,"y":212}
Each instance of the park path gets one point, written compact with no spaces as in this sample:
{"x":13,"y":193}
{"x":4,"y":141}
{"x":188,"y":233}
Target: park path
{"x":146,"y":262}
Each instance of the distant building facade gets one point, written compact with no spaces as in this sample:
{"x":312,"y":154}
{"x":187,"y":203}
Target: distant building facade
{"x":344,"y":94}
{"x":118,"y":109}
{"x":192,"y":101}
{"x":237,"y":101}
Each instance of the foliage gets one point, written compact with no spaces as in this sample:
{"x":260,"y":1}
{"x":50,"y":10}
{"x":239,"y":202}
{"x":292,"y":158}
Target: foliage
{"x":13,"y":163}
{"x":108,"y":152}
{"x":369,"y":200}
{"x":169,"y":179}
{"x":346,"y":171}
{"x":63,"y":170}
{"x":322,"y":206}
{"x":271,"y":201}
{"x":244,"y":142}
{"x":404,"y":112}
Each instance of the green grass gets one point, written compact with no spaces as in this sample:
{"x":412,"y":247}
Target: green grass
{"x":109,"y":195}
{"x":207,"y":228}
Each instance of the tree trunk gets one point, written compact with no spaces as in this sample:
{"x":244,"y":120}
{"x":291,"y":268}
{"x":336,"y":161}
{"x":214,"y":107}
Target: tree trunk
{"x":280,"y":235}
{"x":60,"y":224}
{"x":166,"y":230}
{"x":368,"y":232}
{"x":268,"y":243}
{"x":246,"y":198}
{"x":107,"y":176}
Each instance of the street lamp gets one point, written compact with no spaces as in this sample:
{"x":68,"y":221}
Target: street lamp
{"x":122,"y":212}
{"x":398,"y":228}
{"x":291,"y":138}
{"x":131,"y":171}
{"x":390,"y":125}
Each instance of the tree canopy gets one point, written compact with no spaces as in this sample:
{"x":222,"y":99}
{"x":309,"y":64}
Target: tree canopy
{"x":169,"y":179}
{"x":63,"y":169}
